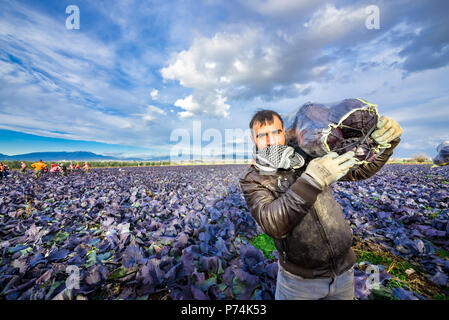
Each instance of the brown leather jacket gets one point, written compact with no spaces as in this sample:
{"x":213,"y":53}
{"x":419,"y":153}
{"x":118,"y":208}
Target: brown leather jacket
{"x":307,"y":224}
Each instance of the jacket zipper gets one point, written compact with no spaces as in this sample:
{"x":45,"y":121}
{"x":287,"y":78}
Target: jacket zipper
{"x":324,"y":235}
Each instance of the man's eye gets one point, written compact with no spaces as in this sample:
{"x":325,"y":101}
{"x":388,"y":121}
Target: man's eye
{"x":261,"y":135}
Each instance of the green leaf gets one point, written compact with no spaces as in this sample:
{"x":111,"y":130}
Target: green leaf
{"x":222,"y":287}
{"x":397,"y":284}
{"x":92,"y":257}
{"x":104,"y":256}
{"x":220,"y":268}
{"x":53,"y":288}
{"x":121,"y":272}
{"x":439,"y":296}
{"x":442,"y":253}
{"x":166,"y":242}
{"x":24,"y":252}
{"x":265,"y":243}
{"x":238,"y":287}
{"x":209,"y":282}
{"x":18,"y":247}
{"x":256,"y":294}
{"x":60,"y":237}
{"x":382,"y":293}
{"x":136,"y":205}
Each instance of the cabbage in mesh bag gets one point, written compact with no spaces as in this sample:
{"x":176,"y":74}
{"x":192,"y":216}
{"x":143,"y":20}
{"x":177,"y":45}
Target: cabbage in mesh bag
{"x":442,"y":159}
{"x":340,"y":127}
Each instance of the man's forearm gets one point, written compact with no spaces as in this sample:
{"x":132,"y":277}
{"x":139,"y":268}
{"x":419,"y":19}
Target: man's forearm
{"x":277,"y":216}
{"x":368,"y":170}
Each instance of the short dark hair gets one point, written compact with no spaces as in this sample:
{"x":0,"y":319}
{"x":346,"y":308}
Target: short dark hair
{"x":264,"y":116}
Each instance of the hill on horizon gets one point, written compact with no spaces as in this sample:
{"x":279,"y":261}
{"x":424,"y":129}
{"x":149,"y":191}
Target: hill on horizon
{"x":58,"y":156}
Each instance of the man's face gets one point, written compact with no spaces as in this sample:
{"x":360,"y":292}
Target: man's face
{"x":268,"y":134}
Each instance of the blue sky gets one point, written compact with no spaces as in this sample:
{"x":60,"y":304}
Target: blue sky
{"x":136,"y":73}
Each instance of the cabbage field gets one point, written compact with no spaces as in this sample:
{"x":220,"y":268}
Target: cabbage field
{"x":184,"y":232}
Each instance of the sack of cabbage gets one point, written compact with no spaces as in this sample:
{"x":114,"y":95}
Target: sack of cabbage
{"x":442,"y":159}
{"x":318,"y":128}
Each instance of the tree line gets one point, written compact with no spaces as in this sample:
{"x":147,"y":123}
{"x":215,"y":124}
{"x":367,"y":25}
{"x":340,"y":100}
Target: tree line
{"x":16,"y":164}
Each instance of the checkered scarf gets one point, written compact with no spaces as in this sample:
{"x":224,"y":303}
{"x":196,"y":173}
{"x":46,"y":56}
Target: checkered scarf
{"x":276,"y":157}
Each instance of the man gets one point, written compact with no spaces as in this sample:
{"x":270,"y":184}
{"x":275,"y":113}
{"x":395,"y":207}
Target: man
{"x":295,"y":206}
{"x":23,"y":167}
{"x":63,"y":169}
{"x":39,"y":167}
{"x":54,"y":168}
{"x":5,"y":170}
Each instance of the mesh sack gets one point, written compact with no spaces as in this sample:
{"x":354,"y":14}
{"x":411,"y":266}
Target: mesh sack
{"x":339,"y":127}
{"x":443,"y":154}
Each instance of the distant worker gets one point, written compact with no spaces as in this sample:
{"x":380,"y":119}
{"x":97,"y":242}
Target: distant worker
{"x":23,"y":167}
{"x":63,"y":169}
{"x":71,"y":167}
{"x":77,"y":167}
{"x":2,"y":168}
{"x":5,"y":170}
{"x":86,"y":166}
{"x":54,"y":168}
{"x":39,"y":168}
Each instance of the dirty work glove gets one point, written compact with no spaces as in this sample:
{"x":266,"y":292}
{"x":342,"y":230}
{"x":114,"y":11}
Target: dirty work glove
{"x":329,"y":168}
{"x":387,"y":130}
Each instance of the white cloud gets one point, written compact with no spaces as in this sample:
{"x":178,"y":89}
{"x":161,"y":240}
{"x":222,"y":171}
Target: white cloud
{"x":156,"y":109}
{"x":330,"y":23}
{"x":151,"y":113}
{"x":243,"y":63}
{"x":203,"y":103}
{"x":154,"y":94}
{"x":230,"y":62}
{"x":238,"y":65}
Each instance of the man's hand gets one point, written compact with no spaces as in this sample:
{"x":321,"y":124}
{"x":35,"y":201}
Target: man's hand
{"x":387,"y":130}
{"x":329,"y":168}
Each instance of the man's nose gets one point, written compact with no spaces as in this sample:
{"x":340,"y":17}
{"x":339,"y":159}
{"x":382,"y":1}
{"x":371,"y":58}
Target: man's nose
{"x":267,"y":141}
{"x":271,"y":140}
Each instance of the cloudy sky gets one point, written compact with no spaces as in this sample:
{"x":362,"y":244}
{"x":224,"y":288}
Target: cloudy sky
{"x":138,"y":78}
